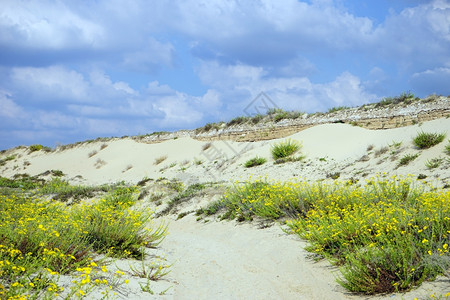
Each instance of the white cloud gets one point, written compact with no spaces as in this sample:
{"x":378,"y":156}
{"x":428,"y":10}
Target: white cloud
{"x":55,"y":82}
{"x":417,"y":37}
{"x":46,"y":25}
{"x":297,"y":93}
{"x":153,"y":54}
{"x":8,"y":108}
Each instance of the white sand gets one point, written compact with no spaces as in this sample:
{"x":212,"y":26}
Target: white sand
{"x":222,"y":260}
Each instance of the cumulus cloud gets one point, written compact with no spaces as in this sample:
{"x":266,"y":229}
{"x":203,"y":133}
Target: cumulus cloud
{"x":238,"y":85}
{"x":109,"y":67}
{"x":50,"y":25}
{"x":54,"y":82}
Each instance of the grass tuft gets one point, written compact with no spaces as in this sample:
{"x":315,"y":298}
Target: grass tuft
{"x":160,"y":159}
{"x":433,"y":163}
{"x":256,"y":161}
{"x":406,"y":159}
{"x":427,"y":140}
{"x":285,"y":148}
{"x":36,"y":147}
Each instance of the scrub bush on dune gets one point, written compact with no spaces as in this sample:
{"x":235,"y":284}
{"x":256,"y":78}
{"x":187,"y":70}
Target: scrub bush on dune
{"x":387,"y":235}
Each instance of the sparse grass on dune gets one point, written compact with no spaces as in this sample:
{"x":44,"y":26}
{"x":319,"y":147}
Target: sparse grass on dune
{"x":284,"y":151}
{"x":389,"y":235}
{"x":425,"y":140}
{"x":40,"y":240}
{"x":256,"y":161}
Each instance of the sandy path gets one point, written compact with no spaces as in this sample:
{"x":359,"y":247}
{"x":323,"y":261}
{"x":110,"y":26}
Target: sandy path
{"x":227,"y":261}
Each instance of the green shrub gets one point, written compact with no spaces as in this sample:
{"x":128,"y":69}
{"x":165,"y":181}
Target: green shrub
{"x":41,"y":240}
{"x":337,"y":108}
{"x":36,"y":147}
{"x":8,"y":158}
{"x":285,"y":148}
{"x":256,"y":161}
{"x":257,"y":118}
{"x":237,"y":121}
{"x":406,"y":97}
{"x":426,"y":140}
{"x":406,"y":159}
{"x":433,"y":163}
{"x":386,"y":236}
{"x":447,"y":149}
{"x":280,"y":116}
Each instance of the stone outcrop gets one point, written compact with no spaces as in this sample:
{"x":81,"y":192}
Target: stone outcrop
{"x":372,"y":116}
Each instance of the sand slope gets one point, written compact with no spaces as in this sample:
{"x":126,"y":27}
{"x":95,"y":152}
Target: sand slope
{"x":328,"y":148}
{"x":223,"y":260}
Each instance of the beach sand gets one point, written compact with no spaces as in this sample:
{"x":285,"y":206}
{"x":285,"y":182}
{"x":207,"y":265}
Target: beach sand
{"x":227,"y":260}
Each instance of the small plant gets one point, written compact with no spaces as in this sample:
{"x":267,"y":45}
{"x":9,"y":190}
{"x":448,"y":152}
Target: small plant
{"x":334,"y":175}
{"x":256,"y":161}
{"x":160,"y":159}
{"x":370,"y":147}
{"x":99,"y":163}
{"x":103,"y":146}
{"x":285,"y":148}
{"x":406,"y":159}
{"x":426,"y":140}
{"x":433,"y":163}
{"x":8,"y":158}
{"x":237,"y":121}
{"x":36,"y":147}
{"x":127,"y":168}
{"x":154,"y":271}
{"x":337,"y":108}
{"x":406,"y":97}
{"x":257,"y":118}
{"x":380,"y":151}
{"x":280,"y":116}
{"x":395,"y":144}
{"x":289,"y":159}
{"x":206,"y":146}
{"x":447,"y":149}
{"x":92,"y":153}
{"x":57,"y":173}
{"x":197,"y":161}
{"x":421,"y":176}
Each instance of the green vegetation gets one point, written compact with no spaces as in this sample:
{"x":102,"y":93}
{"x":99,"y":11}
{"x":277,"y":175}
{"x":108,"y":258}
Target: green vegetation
{"x":41,"y":239}
{"x":406,"y":97}
{"x":183,"y":196}
{"x":279,"y":114}
{"x":427,"y":140}
{"x":433,"y":163}
{"x":8,"y":158}
{"x":36,"y":147}
{"x":256,"y":161}
{"x":238,"y":121}
{"x":386,"y":236}
{"x":447,"y":149}
{"x":285,"y":148}
{"x":337,"y":108}
{"x":406,"y":159}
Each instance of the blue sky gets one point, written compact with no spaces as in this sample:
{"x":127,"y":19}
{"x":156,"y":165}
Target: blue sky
{"x":76,"y":70}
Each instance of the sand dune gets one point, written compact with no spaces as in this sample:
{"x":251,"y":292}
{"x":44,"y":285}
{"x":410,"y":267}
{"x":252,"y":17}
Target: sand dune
{"x":341,"y":147}
{"x":222,"y":260}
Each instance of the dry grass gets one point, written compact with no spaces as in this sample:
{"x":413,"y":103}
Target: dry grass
{"x":160,"y":159}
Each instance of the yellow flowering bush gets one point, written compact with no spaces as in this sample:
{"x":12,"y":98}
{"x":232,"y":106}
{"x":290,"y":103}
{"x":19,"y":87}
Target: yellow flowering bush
{"x":42,"y":239}
{"x":386,"y":235}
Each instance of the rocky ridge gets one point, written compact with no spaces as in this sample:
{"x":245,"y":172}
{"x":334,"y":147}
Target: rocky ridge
{"x":371,"y":116}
